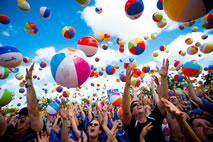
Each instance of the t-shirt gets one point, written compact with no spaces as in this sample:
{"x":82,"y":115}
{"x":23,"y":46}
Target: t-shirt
{"x":12,"y":135}
{"x":166,"y":132}
{"x":134,"y":129}
{"x":208,"y":106}
{"x":122,"y":136}
{"x":54,"y":137}
{"x":71,"y":135}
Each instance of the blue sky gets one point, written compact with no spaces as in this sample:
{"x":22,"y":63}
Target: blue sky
{"x":86,"y":21}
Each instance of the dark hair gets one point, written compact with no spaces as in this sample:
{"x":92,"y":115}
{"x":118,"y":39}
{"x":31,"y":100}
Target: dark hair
{"x":99,"y":136}
{"x":131,"y":105}
{"x":23,"y":111}
{"x":192,"y":119}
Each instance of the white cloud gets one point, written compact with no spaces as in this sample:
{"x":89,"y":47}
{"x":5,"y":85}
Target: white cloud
{"x":44,"y":54}
{"x":5,"y":33}
{"x":171,"y":25}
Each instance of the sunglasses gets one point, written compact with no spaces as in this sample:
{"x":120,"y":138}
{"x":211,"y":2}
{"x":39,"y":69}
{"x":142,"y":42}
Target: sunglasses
{"x":135,"y":104}
{"x":93,"y":124}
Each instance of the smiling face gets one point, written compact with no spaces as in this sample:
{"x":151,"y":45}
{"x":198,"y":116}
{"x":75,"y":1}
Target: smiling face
{"x":94,"y":128}
{"x":23,"y":123}
{"x":203,"y":129}
{"x":120,"y":124}
{"x":137,"y":108}
{"x":174,"y":100}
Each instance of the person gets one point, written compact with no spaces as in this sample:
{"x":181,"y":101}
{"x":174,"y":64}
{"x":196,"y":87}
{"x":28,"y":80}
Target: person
{"x":134,"y":117}
{"x":29,"y":121}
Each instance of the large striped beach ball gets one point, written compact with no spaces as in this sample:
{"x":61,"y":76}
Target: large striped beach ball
{"x":99,"y":36}
{"x":68,"y":32}
{"x":52,"y":109}
{"x":83,"y":2}
{"x":136,"y":73}
{"x":145,"y":69}
{"x":134,"y":9}
{"x":123,"y":77}
{"x":162,"y":23}
{"x":178,"y":64}
{"x":44,"y":12}
{"x":66,"y":93}
{"x":23,"y":5}
{"x":186,"y":10}
{"x":192,"y":50}
{"x":4,"y":19}
{"x":137,"y":46}
{"x":69,"y":68}
{"x":206,"y":48}
{"x":207,"y":21}
{"x":110,"y":69}
{"x":4,"y":73}
{"x":191,"y":68}
{"x":135,"y":83}
{"x":10,"y":57}
{"x":179,"y":91}
{"x":31,"y":28}
{"x":178,"y":78}
{"x":26,"y":59}
{"x":19,"y":76}
{"x":88,"y":45}
{"x":157,"y":16}
{"x":116,"y":99}
{"x":5,"y":97}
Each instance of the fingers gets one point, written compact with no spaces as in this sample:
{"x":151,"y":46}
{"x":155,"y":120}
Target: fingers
{"x":38,"y":136}
{"x":31,"y":68}
{"x":157,"y":68}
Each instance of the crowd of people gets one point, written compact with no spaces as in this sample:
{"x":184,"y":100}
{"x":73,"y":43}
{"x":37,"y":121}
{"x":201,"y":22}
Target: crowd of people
{"x":180,"y":118}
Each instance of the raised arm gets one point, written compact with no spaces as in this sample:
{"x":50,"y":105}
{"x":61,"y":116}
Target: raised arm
{"x":125,"y":100}
{"x":90,"y":111}
{"x":155,"y":95}
{"x":163,"y":92}
{"x":64,"y":131}
{"x":32,"y":105}
{"x":3,"y":122}
{"x":82,"y":112}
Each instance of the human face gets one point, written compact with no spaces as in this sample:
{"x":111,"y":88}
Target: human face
{"x":203,"y":129}
{"x":137,"y":108}
{"x":23,"y":123}
{"x":120,"y":124}
{"x":174,"y":100}
{"x":94,"y":128}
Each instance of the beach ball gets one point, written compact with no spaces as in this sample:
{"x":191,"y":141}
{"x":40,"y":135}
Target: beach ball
{"x":207,"y":21}
{"x":191,"y":69}
{"x":197,"y":44}
{"x":117,"y":66}
{"x":189,"y":24}
{"x":44,"y":12}
{"x":135,"y":83}
{"x":146,"y":37}
{"x":117,"y":80}
{"x":88,"y":45}
{"x":104,"y":46}
{"x":162,"y":48}
{"x":178,"y":78}
{"x":52,"y":109}
{"x":155,"y":54}
{"x":137,"y":46}
{"x":66,"y":93}
{"x":26,"y":59}
{"x":145,"y":69}
{"x":181,"y":27}
{"x":100,"y":73}
{"x":69,"y":68}
{"x":123,"y":77}
{"x":120,"y":113}
{"x":157,"y":16}
{"x":204,"y":36}
{"x":43,"y":64}
{"x":97,"y":59}
{"x":18,"y":104}
{"x":153,"y":36}
{"x":119,"y":41}
{"x":162,"y":23}
{"x":110,"y":70}
{"x":107,"y":37}
{"x":178,"y":64}
{"x":171,"y":93}
{"x":10,"y":57}
{"x":186,"y":10}
{"x":57,"y":101}
{"x":68,"y":32}
{"x":83,"y":2}
{"x":5,"y":97}
{"x":134,"y":9}
{"x":19,"y":76}
{"x":210,"y":67}
{"x":136,"y":73}
{"x":4,"y":73}
{"x":182,"y":53}
{"x":4,"y":19}
{"x":131,"y":62}
{"x":99,"y":36}
{"x":194,"y":29}
{"x":206,"y":69}
{"x":189,"y":41}
{"x":23,"y":5}
{"x":98,"y":10}
{"x":21,"y":90}
{"x":116,"y":99}
{"x":206,"y":48}
{"x":179,"y":91}
{"x":31,"y":28}
{"x":160,"y":4}
{"x":45,"y":83}
{"x":121,"y":49}
{"x":192,"y":50}
{"x":59,"y":89}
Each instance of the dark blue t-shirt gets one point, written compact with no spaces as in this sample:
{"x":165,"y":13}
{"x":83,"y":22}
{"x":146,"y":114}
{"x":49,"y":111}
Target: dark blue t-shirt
{"x":122,"y":136}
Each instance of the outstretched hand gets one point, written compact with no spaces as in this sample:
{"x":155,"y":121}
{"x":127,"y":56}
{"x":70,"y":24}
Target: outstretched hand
{"x":112,"y":133}
{"x":43,"y":137}
{"x":188,"y":80}
{"x":146,"y":129}
{"x":29,"y":72}
{"x":164,"y":68}
{"x":62,"y":112}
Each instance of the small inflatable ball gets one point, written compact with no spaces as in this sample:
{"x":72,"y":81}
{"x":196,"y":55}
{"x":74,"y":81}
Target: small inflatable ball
{"x":4,"y":19}
{"x":204,"y":36}
{"x":137,"y":46}
{"x":98,"y":10}
{"x":186,"y":10}
{"x":59,"y":89}
{"x":135,"y":83}
{"x":10,"y":57}
{"x":99,"y":36}
{"x":52,"y":109}
{"x":110,"y":70}
{"x":171,"y":93}
{"x":23,"y":5}
{"x":4,"y":73}
{"x":162,"y":48}
{"x":145,"y":69}
{"x":107,"y":37}
{"x":21,"y":90}
{"x":134,"y":9}
{"x":121,"y":49}
{"x":44,"y":12}
{"x":182,"y":53}
{"x":68,"y":32}
{"x":21,"y":84}
{"x":146,"y":37}
{"x":179,"y":91}
{"x":197,"y":44}
{"x":43,"y":64}
{"x":117,"y":66}
{"x":120,"y":41}
{"x":83,"y":2}
{"x":100,"y":73}
{"x":206,"y":48}
{"x":66,"y":93}
{"x":178,"y":78}
{"x":136,"y":73}
{"x":117,"y":80}
{"x":210,"y":67}
{"x":120,"y":113}
{"x":5,"y":97}
{"x":207,"y":21}
{"x":123,"y":77}
{"x":131,"y":62}
{"x":116,"y":99}
{"x":157,"y":16}
{"x":153,"y":36}
{"x":160,"y":4}
{"x":97,"y":59}
{"x":18,"y":104}
{"x":194,"y":29}
{"x":205,"y":68}
{"x":31,"y":28}
{"x":178,"y":64}
{"x":69,"y":68}
{"x":181,"y":27}
{"x":104,"y":46}
{"x":189,"y":41}
{"x":189,"y":24}
{"x":191,"y":69}
{"x":57,"y":101}
{"x":155,"y":54}
{"x":19,"y":76}
{"x":162,"y":23}
{"x":26,"y":60}
{"x":192,"y":50}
